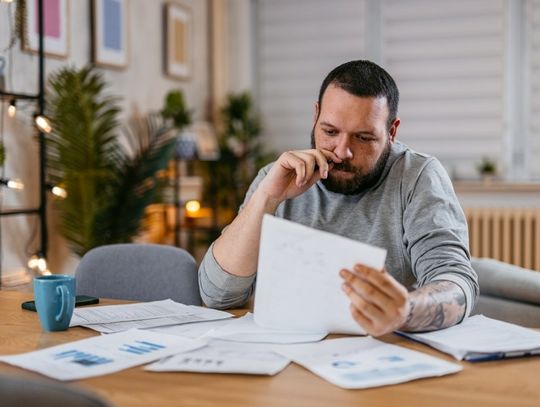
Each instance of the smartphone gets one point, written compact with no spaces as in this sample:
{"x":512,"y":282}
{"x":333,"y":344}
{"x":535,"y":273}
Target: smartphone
{"x":80,"y":300}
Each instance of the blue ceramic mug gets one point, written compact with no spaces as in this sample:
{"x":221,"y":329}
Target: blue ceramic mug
{"x":55,"y":299}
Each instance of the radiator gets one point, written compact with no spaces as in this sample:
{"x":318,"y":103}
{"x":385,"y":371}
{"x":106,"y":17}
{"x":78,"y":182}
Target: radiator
{"x":511,"y":235}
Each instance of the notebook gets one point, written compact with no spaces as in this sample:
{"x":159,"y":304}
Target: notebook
{"x":479,"y":338}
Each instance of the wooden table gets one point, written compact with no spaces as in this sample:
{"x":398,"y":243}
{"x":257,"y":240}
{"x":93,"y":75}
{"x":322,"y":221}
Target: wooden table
{"x":500,"y":383}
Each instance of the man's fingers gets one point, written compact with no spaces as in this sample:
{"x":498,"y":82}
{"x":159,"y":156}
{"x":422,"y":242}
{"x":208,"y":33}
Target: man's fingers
{"x":368,"y":308}
{"x":305,"y":162}
{"x":383,"y":281}
{"x":361,"y":319}
{"x":290,"y":160}
{"x":368,"y":291}
{"x":310,"y":160}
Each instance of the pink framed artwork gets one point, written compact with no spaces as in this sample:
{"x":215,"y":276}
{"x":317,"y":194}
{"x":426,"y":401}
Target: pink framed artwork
{"x":55,"y":30}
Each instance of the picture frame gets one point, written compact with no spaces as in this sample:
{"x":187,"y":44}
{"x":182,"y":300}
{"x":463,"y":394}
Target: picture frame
{"x":110,"y":34}
{"x":55,"y":29}
{"x":178,"y":41}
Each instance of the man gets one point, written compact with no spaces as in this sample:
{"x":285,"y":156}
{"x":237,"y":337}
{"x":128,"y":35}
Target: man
{"x":358,"y":181}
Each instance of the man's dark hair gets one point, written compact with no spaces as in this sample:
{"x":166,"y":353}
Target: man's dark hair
{"x":365,"y":79}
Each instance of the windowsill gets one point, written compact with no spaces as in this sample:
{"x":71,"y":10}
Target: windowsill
{"x":496,"y":186}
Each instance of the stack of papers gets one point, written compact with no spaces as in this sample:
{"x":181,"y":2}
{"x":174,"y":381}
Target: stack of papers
{"x":358,"y":363}
{"x":480,"y":338}
{"x":102,"y":354}
{"x":118,"y":318}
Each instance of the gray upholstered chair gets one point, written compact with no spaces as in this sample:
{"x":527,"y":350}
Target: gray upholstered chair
{"x":139,"y":272}
{"x":507,"y":292}
{"x":17,"y":391}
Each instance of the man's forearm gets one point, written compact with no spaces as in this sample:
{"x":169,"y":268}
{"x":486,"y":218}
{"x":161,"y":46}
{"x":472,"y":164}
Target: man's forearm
{"x":437,"y":305}
{"x":236,"y":250}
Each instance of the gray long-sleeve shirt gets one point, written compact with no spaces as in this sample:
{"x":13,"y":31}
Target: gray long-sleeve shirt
{"x":412,"y":212}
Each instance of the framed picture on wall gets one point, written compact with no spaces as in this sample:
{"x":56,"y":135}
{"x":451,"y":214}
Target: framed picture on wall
{"x":110,"y":33}
{"x":178,"y":41}
{"x":55,"y":27}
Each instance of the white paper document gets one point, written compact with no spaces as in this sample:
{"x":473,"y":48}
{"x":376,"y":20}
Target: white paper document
{"x":117,"y":318}
{"x":358,"y":363}
{"x":225,"y":357}
{"x":102,"y":355}
{"x":193,"y":330}
{"x":298,"y":285}
{"x":245,"y":329}
{"x":480,"y":338}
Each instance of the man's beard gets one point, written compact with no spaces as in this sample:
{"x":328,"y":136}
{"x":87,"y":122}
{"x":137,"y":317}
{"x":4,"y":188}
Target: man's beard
{"x":360,"y":181}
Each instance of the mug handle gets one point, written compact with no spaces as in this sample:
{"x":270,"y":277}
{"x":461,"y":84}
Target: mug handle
{"x":66,"y":299}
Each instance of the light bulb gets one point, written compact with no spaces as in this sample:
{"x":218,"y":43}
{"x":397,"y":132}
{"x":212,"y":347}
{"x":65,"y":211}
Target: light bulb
{"x":12,"y":108}
{"x":14,"y":184}
{"x":193,"y":206}
{"x":43,"y":124}
{"x":39,"y":264}
{"x":59,"y":192}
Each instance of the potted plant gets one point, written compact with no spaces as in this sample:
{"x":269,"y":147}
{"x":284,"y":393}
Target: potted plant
{"x":241,"y":152}
{"x":487,"y":168}
{"x":109,"y":174}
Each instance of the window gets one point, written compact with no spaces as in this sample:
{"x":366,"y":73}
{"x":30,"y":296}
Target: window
{"x":468,"y":72}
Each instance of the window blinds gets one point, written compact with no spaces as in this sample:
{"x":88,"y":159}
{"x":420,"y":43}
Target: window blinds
{"x":533,"y":35}
{"x":297,"y":44}
{"x":448,"y":59}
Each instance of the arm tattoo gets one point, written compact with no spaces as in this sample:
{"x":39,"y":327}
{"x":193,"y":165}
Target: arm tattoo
{"x":435,"y":306}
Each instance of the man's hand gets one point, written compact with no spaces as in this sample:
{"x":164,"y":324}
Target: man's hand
{"x":295,"y":172}
{"x":378,"y":302}
{"x":381,"y":305}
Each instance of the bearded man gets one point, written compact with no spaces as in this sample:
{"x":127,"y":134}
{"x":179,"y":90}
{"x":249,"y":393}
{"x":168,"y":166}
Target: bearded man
{"x":358,"y":181}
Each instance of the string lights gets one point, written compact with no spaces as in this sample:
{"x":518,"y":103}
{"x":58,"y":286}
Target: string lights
{"x":38,"y":264}
{"x":12,"y":183}
{"x":58,"y":191}
{"x":43,"y":123}
{"x":12,"y":108}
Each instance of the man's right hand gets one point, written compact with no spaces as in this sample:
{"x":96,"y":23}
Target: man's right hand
{"x":295,"y":172}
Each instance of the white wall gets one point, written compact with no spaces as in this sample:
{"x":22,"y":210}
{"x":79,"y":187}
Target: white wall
{"x":142,"y":86}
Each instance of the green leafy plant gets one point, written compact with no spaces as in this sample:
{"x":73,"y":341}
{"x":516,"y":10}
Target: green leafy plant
{"x":487,"y":166}
{"x":176,"y":109}
{"x":110,"y":180}
{"x":241,"y":151}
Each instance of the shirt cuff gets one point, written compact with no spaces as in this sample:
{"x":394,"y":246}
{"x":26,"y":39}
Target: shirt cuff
{"x":220,"y":286}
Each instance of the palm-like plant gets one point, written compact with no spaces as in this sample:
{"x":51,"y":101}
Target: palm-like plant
{"x":108,"y":184}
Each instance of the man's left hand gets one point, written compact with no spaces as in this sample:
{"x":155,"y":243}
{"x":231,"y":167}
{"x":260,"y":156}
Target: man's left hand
{"x":378,"y":302}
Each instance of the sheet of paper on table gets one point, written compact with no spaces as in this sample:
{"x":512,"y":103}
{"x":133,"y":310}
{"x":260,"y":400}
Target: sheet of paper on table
{"x":193,"y":330}
{"x":117,"y":318}
{"x":103,"y":354}
{"x":245,"y":329}
{"x":225,"y":357}
{"x":480,"y":338}
{"x":358,"y":363}
{"x":298,"y":285}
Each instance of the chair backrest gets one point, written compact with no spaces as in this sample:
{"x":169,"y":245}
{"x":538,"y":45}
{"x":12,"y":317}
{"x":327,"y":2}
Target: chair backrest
{"x":28,"y":392}
{"x":139,"y":272}
{"x":508,"y":292}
